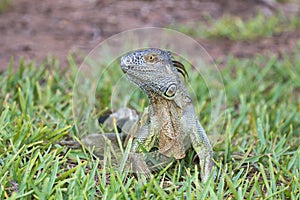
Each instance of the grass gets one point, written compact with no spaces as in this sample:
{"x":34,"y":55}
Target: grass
{"x":4,"y":4}
{"x":236,"y":28}
{"x":257,"y":157}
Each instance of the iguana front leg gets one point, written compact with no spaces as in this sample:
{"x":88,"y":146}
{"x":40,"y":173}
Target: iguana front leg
{"x":203,"y":149}
{"x":199,"y":140}
{"x":142,"y":139}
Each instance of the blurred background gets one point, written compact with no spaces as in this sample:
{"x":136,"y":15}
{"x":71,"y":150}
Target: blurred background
{"x":242,"y":28}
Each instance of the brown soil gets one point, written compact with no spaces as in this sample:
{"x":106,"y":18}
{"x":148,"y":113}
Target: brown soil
{"x":33,"y":29}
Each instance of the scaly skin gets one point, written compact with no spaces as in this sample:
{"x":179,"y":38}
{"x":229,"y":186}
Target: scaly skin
{"x":171,"y":120}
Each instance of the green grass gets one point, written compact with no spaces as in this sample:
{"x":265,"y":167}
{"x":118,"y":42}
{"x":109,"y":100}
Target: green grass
{"x":257,"y":157}
{"x":4,"y":4}
{"x":236,"y":28}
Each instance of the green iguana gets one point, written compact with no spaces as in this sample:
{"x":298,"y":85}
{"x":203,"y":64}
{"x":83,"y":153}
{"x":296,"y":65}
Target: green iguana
{"x":170,"y":123}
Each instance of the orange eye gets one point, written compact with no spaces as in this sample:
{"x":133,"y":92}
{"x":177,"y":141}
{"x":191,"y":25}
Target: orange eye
{"x":150,"y":58}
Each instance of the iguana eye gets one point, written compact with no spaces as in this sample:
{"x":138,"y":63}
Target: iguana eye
{"x":171,"y":90}
{"x":150,"y":58}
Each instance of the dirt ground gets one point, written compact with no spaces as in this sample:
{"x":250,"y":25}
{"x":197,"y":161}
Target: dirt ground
{"x":34,"y":29}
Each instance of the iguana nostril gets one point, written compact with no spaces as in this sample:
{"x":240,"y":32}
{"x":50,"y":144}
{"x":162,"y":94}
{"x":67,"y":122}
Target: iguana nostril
{"x":171,"y":90}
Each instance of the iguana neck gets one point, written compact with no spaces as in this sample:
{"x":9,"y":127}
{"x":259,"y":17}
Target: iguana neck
{"x":166,"y":120}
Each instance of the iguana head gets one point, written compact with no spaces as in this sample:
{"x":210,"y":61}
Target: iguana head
{"x":154,"y":71}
